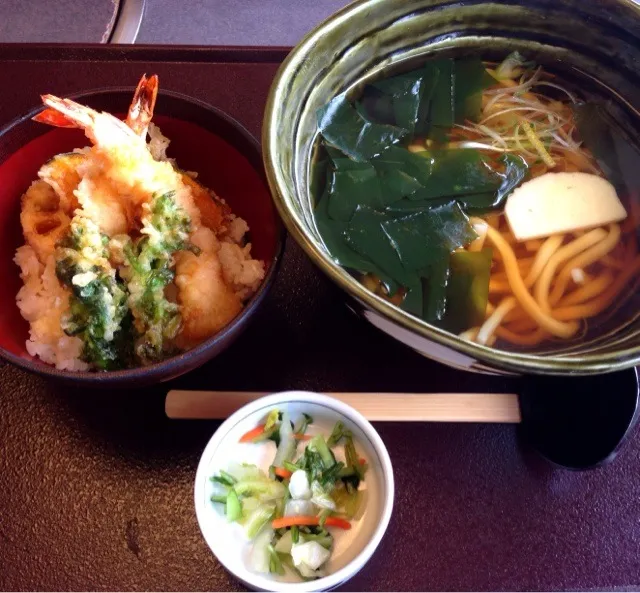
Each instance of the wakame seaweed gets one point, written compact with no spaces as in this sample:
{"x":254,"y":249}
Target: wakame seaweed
{"x":515,"y":171}
{"x":342,"y":126}
{"x":407,"y":95}
{"x":467,"y":290}
{"x":400,"y":214}
{"x":416,"y":166}
{"x":353,"y":186}
{"x":458,"y":172}
{"x":435,"y":280}
{"x":442,"y":108}
{"x":394,"y":174}
{"x":471,"y":78}
{"x":428,"y":100}
{"x":333,"y":235}
{"x":365,"y":234}
{"x":420,"y":238}
{"x":479,"y":189}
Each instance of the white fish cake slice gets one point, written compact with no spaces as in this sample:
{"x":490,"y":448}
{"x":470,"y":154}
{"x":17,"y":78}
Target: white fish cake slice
{"x":556,"y":203}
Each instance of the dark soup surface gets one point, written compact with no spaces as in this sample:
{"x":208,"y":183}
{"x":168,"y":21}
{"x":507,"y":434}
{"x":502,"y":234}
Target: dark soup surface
{"x":488,"y":199}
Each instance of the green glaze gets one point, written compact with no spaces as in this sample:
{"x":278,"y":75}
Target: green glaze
{"x":599,"y":38}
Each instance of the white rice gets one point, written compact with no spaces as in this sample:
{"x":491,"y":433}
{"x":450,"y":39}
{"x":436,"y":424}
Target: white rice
{"x":43,"y":301}
{"x":242,"y":273}
{"x":236,"y":229}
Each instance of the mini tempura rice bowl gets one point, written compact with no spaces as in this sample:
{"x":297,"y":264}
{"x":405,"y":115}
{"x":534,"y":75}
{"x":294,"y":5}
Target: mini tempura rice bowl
{"x":203,"y":139}
{"x":338,"y":99}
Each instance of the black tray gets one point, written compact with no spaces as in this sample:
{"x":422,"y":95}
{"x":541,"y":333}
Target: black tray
{"x":96,"y":488}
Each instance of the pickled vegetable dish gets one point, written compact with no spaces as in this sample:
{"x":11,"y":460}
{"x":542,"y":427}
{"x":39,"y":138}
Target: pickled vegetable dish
{"x":311,"y":491}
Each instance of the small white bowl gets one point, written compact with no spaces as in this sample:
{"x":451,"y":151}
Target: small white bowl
{"x":353,"y":547}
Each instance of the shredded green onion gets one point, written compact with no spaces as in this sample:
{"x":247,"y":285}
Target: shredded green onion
{"x":336,"y":434}
{"x":222,"y":480}
{"x":234,"y":508}
{"x":318,"y":444}
{"x":228,"y":477}
{"x":301,"y":427}
{"x":275,"y":565}
{"x":511,"y":66}
{"x":323,"y":516}
{"x":292,"y":467}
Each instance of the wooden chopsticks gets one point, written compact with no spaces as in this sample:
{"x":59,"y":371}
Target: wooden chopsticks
{"x":378,"y":407}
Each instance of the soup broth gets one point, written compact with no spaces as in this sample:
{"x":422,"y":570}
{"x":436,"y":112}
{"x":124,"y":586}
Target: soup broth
{"x":488,"y":199}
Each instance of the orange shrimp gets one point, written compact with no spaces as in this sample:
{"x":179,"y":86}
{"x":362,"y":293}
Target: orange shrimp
{"x":144,"y":102}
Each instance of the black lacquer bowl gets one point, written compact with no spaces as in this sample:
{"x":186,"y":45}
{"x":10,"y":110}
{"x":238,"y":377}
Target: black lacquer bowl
{"x":593,"y":45}
{"x":203,"y":139}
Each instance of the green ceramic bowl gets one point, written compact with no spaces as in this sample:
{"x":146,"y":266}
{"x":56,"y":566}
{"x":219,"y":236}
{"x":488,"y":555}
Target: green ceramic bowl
{"x":594,"y":43}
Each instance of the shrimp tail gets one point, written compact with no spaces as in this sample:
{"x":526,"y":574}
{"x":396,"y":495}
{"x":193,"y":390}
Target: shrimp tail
{"x":54,"y":118}
{"x":74,"y":115}
{"x":143,"y":104}
{"x":65,"y":113}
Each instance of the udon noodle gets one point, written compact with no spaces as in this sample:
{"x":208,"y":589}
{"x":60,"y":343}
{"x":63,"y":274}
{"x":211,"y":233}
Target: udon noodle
{"x":544,"y":288}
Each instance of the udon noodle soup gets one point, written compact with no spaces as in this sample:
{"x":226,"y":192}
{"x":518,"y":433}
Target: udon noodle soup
{"x":488,"y":199}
